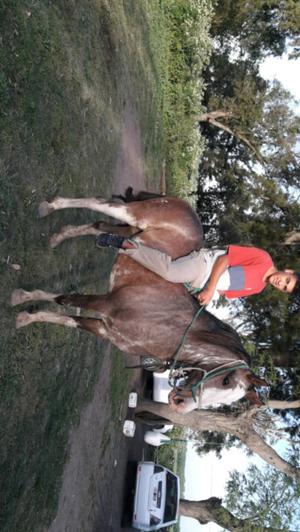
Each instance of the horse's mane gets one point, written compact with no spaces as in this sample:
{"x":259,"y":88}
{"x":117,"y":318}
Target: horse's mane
{"x":217,"y":332}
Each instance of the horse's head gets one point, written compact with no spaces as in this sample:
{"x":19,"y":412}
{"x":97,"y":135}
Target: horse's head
{"x":222,"y":389}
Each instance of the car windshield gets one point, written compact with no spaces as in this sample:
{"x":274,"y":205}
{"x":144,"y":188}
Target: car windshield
{"x":171,"y":498}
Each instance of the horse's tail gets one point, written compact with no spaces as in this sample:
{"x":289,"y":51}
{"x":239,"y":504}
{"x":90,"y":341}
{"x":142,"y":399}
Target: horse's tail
{"x":129,"y":195}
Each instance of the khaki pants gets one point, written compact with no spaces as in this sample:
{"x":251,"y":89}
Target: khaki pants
{"x":194,"y":268}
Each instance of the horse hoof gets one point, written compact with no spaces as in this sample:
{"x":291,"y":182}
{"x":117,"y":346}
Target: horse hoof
{"x":45,"y":208}
{"x":58,"y":238}
{"x":55,"y":240}
{"x":23,"y":319}
{"x":100,"y":199}
{"x":18,"y":296}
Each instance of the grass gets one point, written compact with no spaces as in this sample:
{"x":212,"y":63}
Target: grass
{"x":66,"y":73}
{"x":119,"y":386}
{"x":173,"y":455}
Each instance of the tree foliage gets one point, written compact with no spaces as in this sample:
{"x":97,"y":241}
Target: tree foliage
{"x":248,"y":187}
{"x":258,"y":27}
{"x":265,"y":496}
{"x":248,"y":194}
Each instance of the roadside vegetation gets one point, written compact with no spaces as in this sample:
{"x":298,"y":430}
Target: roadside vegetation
{"x":188,"y":52}
{"x":172,"y":455}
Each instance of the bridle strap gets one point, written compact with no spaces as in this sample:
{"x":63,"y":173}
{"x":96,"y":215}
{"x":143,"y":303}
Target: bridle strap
{"x":179,"y":348}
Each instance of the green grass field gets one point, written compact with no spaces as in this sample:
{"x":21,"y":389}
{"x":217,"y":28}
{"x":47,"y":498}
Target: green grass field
{"x":67,"y":71}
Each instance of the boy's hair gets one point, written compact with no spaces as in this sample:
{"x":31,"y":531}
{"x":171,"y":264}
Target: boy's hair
{"x":295,"y":299}
{"x":296,"y":291}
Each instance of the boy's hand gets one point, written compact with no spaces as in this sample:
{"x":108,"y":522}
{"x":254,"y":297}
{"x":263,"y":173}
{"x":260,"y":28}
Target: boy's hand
{"x":205,"y":296}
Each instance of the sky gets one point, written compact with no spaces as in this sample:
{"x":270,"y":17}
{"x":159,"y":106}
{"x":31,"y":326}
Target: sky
{"x":208,"y":478}
{"x":205,"y":477}
{"x":285,"y":71}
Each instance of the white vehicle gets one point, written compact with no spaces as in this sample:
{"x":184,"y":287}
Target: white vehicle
{"x":156,"y":498}
{"x":161,"y":390}
{"x":161,"y":387}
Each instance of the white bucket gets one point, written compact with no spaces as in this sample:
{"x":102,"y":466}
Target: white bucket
{"x":132,"y":400}
{"x":129,"y":428}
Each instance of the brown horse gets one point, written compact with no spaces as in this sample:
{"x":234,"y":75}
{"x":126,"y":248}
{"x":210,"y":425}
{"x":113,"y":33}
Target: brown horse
{"x":142,"y":314}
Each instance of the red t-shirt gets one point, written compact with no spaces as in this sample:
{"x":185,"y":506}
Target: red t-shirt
{"x":247,"y":267}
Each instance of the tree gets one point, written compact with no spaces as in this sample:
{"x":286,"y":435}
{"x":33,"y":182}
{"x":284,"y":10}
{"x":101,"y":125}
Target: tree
{"x":242,"y":425}
{"x":212,"y":510}
{"x":245,"y":427}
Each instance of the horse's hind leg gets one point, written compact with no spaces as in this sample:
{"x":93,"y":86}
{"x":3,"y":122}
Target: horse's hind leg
{"x":94,"y":229}
{"x":141,"y":214}
{"x":95,"y":326}
{"x":121,"y":212}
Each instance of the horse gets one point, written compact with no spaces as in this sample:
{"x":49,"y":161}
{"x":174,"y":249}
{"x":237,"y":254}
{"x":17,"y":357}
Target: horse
{"x":143,"y":314}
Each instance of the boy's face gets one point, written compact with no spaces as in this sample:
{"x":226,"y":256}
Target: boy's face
{"x":284,"y":281}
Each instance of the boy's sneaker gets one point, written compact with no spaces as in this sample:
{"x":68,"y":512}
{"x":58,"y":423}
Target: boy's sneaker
{"x":109,"y":240}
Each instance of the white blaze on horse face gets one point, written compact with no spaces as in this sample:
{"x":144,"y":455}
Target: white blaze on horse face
{"x":218,"y":391}
{"x":215,"y":393}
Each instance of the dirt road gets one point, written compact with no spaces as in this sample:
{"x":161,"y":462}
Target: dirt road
{"x":91,"y":495}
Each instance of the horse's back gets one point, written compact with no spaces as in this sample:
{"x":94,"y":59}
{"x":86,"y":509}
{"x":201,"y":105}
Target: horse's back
{"x":170,"y":225}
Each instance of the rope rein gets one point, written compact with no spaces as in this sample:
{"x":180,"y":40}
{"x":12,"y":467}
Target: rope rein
{"x":182,"y":342}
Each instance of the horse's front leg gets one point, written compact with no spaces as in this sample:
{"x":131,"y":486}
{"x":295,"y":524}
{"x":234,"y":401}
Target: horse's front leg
{"x":95,"y":326}
{"x":20,"y":296}
{"x":94,"y":229}
{"x":122,"y":212}
{"x":99,"y":303}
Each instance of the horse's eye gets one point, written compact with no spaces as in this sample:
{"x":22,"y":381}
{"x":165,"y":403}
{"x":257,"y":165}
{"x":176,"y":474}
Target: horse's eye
{"x":225,"y":381}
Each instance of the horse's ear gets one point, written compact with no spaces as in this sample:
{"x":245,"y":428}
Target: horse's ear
{"x":253,"y":398}
{"x":254,"y":380}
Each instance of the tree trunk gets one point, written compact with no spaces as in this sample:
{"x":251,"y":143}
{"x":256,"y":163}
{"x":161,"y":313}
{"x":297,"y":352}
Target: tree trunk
{"x":292,"y":238}
{"x":283,"y":405}
{"x":211,"y":119}
{"x":212,"y":510}
{"x":285,"y":359}
{"x":241,"y":426}
{"x":213,"y":115}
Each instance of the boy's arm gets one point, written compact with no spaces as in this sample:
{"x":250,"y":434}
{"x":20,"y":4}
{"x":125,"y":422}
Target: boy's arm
{"x":218,"y":268}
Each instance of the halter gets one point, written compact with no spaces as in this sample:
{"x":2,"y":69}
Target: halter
{"x":180,"y":372}
{"x":220,"y":370}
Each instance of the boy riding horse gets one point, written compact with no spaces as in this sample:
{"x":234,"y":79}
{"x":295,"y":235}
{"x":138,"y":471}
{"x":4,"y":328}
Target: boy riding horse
{"x":237,"y":271}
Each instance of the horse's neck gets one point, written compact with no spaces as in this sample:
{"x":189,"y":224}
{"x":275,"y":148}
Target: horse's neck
{"x":216,"y":341}
{"x":208,"y":356}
